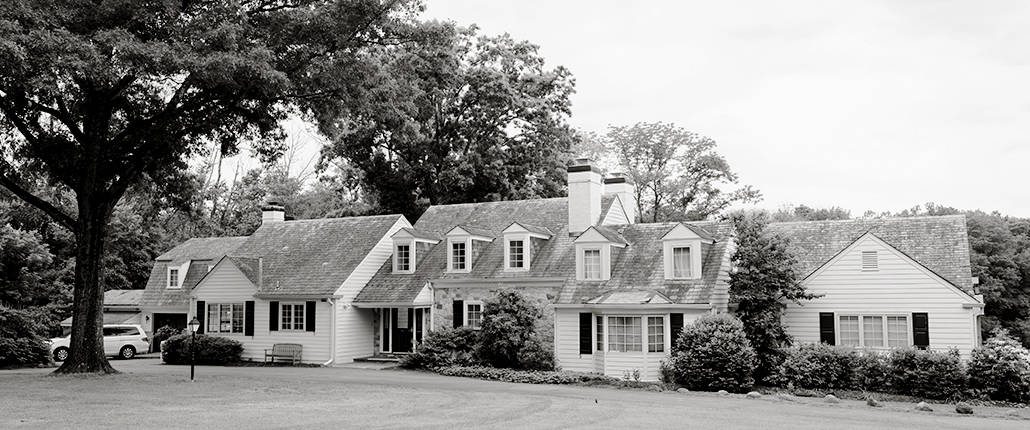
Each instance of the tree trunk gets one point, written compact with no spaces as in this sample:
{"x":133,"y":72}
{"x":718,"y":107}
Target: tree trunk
{"x":86,"y":349}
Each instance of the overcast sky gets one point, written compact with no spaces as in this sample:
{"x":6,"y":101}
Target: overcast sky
{"x":877,"y":105}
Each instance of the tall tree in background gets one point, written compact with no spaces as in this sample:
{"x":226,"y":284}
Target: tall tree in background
{"x":806,"y":213}
{"x":678,"y":174}
{"x":467,"y":118}
{"x":106,"y":94}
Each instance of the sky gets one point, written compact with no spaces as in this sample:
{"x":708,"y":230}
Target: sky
{"x":871,"y":105}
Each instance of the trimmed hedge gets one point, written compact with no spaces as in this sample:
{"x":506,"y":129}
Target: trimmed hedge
{"x":818,"y":366}
{"x":511,"y":375}
{"x":210,"y":350}
{"x":1000,"y":370}
{"x":927,"y":374}
{"x":22,"y":341}
{"x":713,"y":354}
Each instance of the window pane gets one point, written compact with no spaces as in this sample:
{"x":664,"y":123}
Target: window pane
{"x":624,"y":334}
{"x":600,"y":333}
{"x":655,"y":334}
{"x":474,"y":315}
{"x":225,"y":318}
{"x":212,"y":318}
{"x":173,"y":278}
{"x":403,"y":257}
{"x":681,"y":262}
{"x":592,"y":264}
{"x":237,"y":318}
{"x":872,"y":331}
{"x":458,"y":256}
{"x":897,"y":332}
{"x":849,"y":330}
{"x":298,"y":317}
{"x":286,"y":315}
{"x":515,"y":254}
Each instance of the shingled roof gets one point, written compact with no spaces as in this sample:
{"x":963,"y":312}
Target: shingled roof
{"x":939,"y":243}
{"x":309,"y":258}
{"x":201,"y":251}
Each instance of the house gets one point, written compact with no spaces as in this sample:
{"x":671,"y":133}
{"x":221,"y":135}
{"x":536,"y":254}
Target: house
{"x":294,"y":282}
{"x":616,"y":293}
{"x":120,"y":307}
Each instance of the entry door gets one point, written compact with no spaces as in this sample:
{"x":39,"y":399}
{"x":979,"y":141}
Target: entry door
{"x":402,"y":321}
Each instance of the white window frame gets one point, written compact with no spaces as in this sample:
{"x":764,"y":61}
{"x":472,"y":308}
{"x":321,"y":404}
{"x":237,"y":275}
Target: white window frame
{"x":178,"y":277}
{"x":601,"y":339}
{"x":397,"y":258}
{"x":466,"y":321}
{"x":600,"y":263}
{"x":232,"y":305}
{"x":695,"y":257}
{"x":690,"y":262}
{"x":885,"y":327}
{"x":293,"y":325}
{"x":467,"y":241}
{"x":527,"y":255}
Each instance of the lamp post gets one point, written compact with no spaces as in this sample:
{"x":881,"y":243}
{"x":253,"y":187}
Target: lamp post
{"x":193,"y":325}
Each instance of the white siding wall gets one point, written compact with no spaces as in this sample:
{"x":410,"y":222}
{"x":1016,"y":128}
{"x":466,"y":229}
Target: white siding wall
{"x":225,"y":284}
{"x":899,"y":287}
{"x":566,"y":339}
{"x":615,"y":215}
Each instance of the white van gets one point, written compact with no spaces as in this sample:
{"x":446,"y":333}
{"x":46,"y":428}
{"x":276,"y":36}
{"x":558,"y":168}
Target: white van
{"x":120,"y":340}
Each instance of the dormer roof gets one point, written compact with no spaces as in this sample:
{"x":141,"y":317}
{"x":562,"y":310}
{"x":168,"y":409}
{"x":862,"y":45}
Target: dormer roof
{"x":534,"y":231}
{"x":418,"y":235}
{"x":602,"y":234}
{"x":477,"y":233}
{"x":688,"y":231}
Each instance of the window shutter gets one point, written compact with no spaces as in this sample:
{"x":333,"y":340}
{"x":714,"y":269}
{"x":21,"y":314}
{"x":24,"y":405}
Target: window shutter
{"x":201,"y":314}
{"x":586,"y":320}
{"x":827,"y":334}
{"x":248,"y":318}
{"x":273,"y":316}
{"x":459,"y":313}
{"x":309,"y":316}
{"x":921,"y":330}
{"x":675,"y":327}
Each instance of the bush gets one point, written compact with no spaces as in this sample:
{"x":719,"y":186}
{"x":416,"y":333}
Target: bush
{"x":164,"y":333}
{"x":511,"y":375}
{"x":450,"y":347}
{"x":1000,"y":370}
{"x":927,"y":374}
{"x":210,"y":350}
{"x":713,"y":354}
{"x":508,"y":336}
{"x":22,"y":341}
{"x":870,"y":372}
{"x":818,"y":366}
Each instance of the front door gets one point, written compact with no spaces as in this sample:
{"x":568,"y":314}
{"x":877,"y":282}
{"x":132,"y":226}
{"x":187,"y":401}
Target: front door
{"x":402,"y":320}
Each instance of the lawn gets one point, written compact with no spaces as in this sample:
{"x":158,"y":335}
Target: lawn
{"x":149,"y":393}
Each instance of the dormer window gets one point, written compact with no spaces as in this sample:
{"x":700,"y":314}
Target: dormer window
{"x":592,"y":264}
{"x":516,"y":252}
{"x":405,"y":248}
{"x":403,"y":258}
{"x":681,"y":262}
{"x":458,"y":256}
{"x":173,"y":278}
{"x":518,"y":245}
{"x":594,"y":250}
{"x":682,"y":251}
{"x":460,"y":247}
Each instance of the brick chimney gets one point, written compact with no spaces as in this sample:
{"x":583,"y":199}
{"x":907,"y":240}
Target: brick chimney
{"x":272,"y":212}
{"x":584,"y":195}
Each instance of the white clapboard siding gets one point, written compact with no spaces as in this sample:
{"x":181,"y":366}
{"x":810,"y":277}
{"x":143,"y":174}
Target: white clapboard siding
{"x":226,"y":284}
{"x":898,"y":286}
{"x":615,"y":215}
{"x":566,"y":339}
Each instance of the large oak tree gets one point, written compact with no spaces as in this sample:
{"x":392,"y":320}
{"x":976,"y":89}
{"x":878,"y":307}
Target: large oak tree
{"x":99,"y":95}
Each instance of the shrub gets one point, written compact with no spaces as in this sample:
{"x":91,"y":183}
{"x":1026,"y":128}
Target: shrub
{"x":210,"y":350}
{"x":870,"y":372}
{"x":713,"y":354}
{"x":164,"y":333}
{"x":508,"y":336}
{"x":22,"y":341}
{"x":1000,"y":370}
{"x":511,"y":375}
{"x":818,"y":366}
{"x":450,"y":347}
{"x":927,"y":374}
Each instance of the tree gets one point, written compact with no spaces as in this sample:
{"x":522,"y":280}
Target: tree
{"x":466,"y":118}
{"x":508,"y":337}
{"x":103,"y":95}
{"x":678,"y":174}
{"x":765,"y":279}
{"x":806,"y":213}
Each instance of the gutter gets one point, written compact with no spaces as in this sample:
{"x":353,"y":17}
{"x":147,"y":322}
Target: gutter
{"x":634,"y":305}
{"x":332,"y":333}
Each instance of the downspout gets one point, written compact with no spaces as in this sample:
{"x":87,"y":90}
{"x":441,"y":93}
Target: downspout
{"x":332,"y":333}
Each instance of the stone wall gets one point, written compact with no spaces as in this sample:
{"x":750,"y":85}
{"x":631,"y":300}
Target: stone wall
{"x":443,"y":310}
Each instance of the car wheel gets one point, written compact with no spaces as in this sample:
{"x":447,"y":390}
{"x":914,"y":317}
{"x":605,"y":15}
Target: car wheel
{"x":61,"y":354}
{"x":127,"y":352}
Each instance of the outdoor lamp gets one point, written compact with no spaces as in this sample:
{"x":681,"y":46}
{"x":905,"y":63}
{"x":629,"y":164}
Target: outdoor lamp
{"x":193,"y":325}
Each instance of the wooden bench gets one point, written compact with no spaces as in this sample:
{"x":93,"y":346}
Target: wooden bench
{"x":291,"y":351}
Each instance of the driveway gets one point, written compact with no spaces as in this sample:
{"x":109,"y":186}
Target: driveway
{"x":152,"y":394}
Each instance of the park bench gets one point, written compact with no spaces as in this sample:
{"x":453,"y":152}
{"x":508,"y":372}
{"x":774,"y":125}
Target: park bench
{"x":289,"y":351}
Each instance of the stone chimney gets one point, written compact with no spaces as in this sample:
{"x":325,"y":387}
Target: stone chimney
{"x":272,"y":212}
{"x":621,"y":185}
{"x":584,"y":195}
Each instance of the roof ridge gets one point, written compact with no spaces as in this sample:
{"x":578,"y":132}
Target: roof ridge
{"x":305,"y":220}
{"x":890,"y":218}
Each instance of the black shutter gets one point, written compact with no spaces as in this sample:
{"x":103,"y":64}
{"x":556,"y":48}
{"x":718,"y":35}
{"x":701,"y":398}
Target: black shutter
{"x":248,"y":318}
{"x":201,"y":313}
{"x":586,"y":323}
{"x":459,"y":313}
{"x":675,"y":327}
{"x":921,"y":330}
{"x":273,"y":316}
{"x":827,"y":334}
{"x":309,"y":316}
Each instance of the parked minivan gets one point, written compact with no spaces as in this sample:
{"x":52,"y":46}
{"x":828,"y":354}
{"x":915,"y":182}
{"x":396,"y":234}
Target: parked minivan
{"x":120,"y":340}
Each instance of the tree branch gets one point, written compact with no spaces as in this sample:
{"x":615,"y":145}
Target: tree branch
{"x":53,"y":211}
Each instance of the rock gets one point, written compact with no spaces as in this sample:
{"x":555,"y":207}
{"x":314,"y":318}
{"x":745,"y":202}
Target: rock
{"x":805,"y":393}
{"x":830,"y":398}
{"x":754,"y":395}
{"x":785,"y":397}
{"x":724,"y":393}
{"x":964,"y":408}
{"x":923,"y":406}
{"x":682,"y":390}
{"x":873,"y":402}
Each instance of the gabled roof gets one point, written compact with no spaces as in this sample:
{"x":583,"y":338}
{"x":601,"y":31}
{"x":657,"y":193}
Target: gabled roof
{"x":419,"y":234}
{"x":201,"y":251}
{"x":607,"y":232}
{"x":309,"y":258}
{"x":124,"y":298}
{"x":202,"y":248}
{"x":472,"y":231}
{"x":537,"y":230}
{"x":696,"y":230}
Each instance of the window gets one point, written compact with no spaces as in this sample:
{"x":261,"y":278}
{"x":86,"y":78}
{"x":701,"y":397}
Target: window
{"x":600,"y":333}
{"x":516,"y":254}
{"x":173,"y":278}
{"x":474,"y":315}
{"x":681,"y":262}
{"x":655,"y":334}
{"x":291,"y":316}
{"x":592,"y":264}
{"x":403,"y":258}
{"x":869,"y":260}
{"x":874,"y":331}
{"x":624,"y":334}
{"x":120,"y":331}
{"x":225,"y":318}
{"x":458,"y":256}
